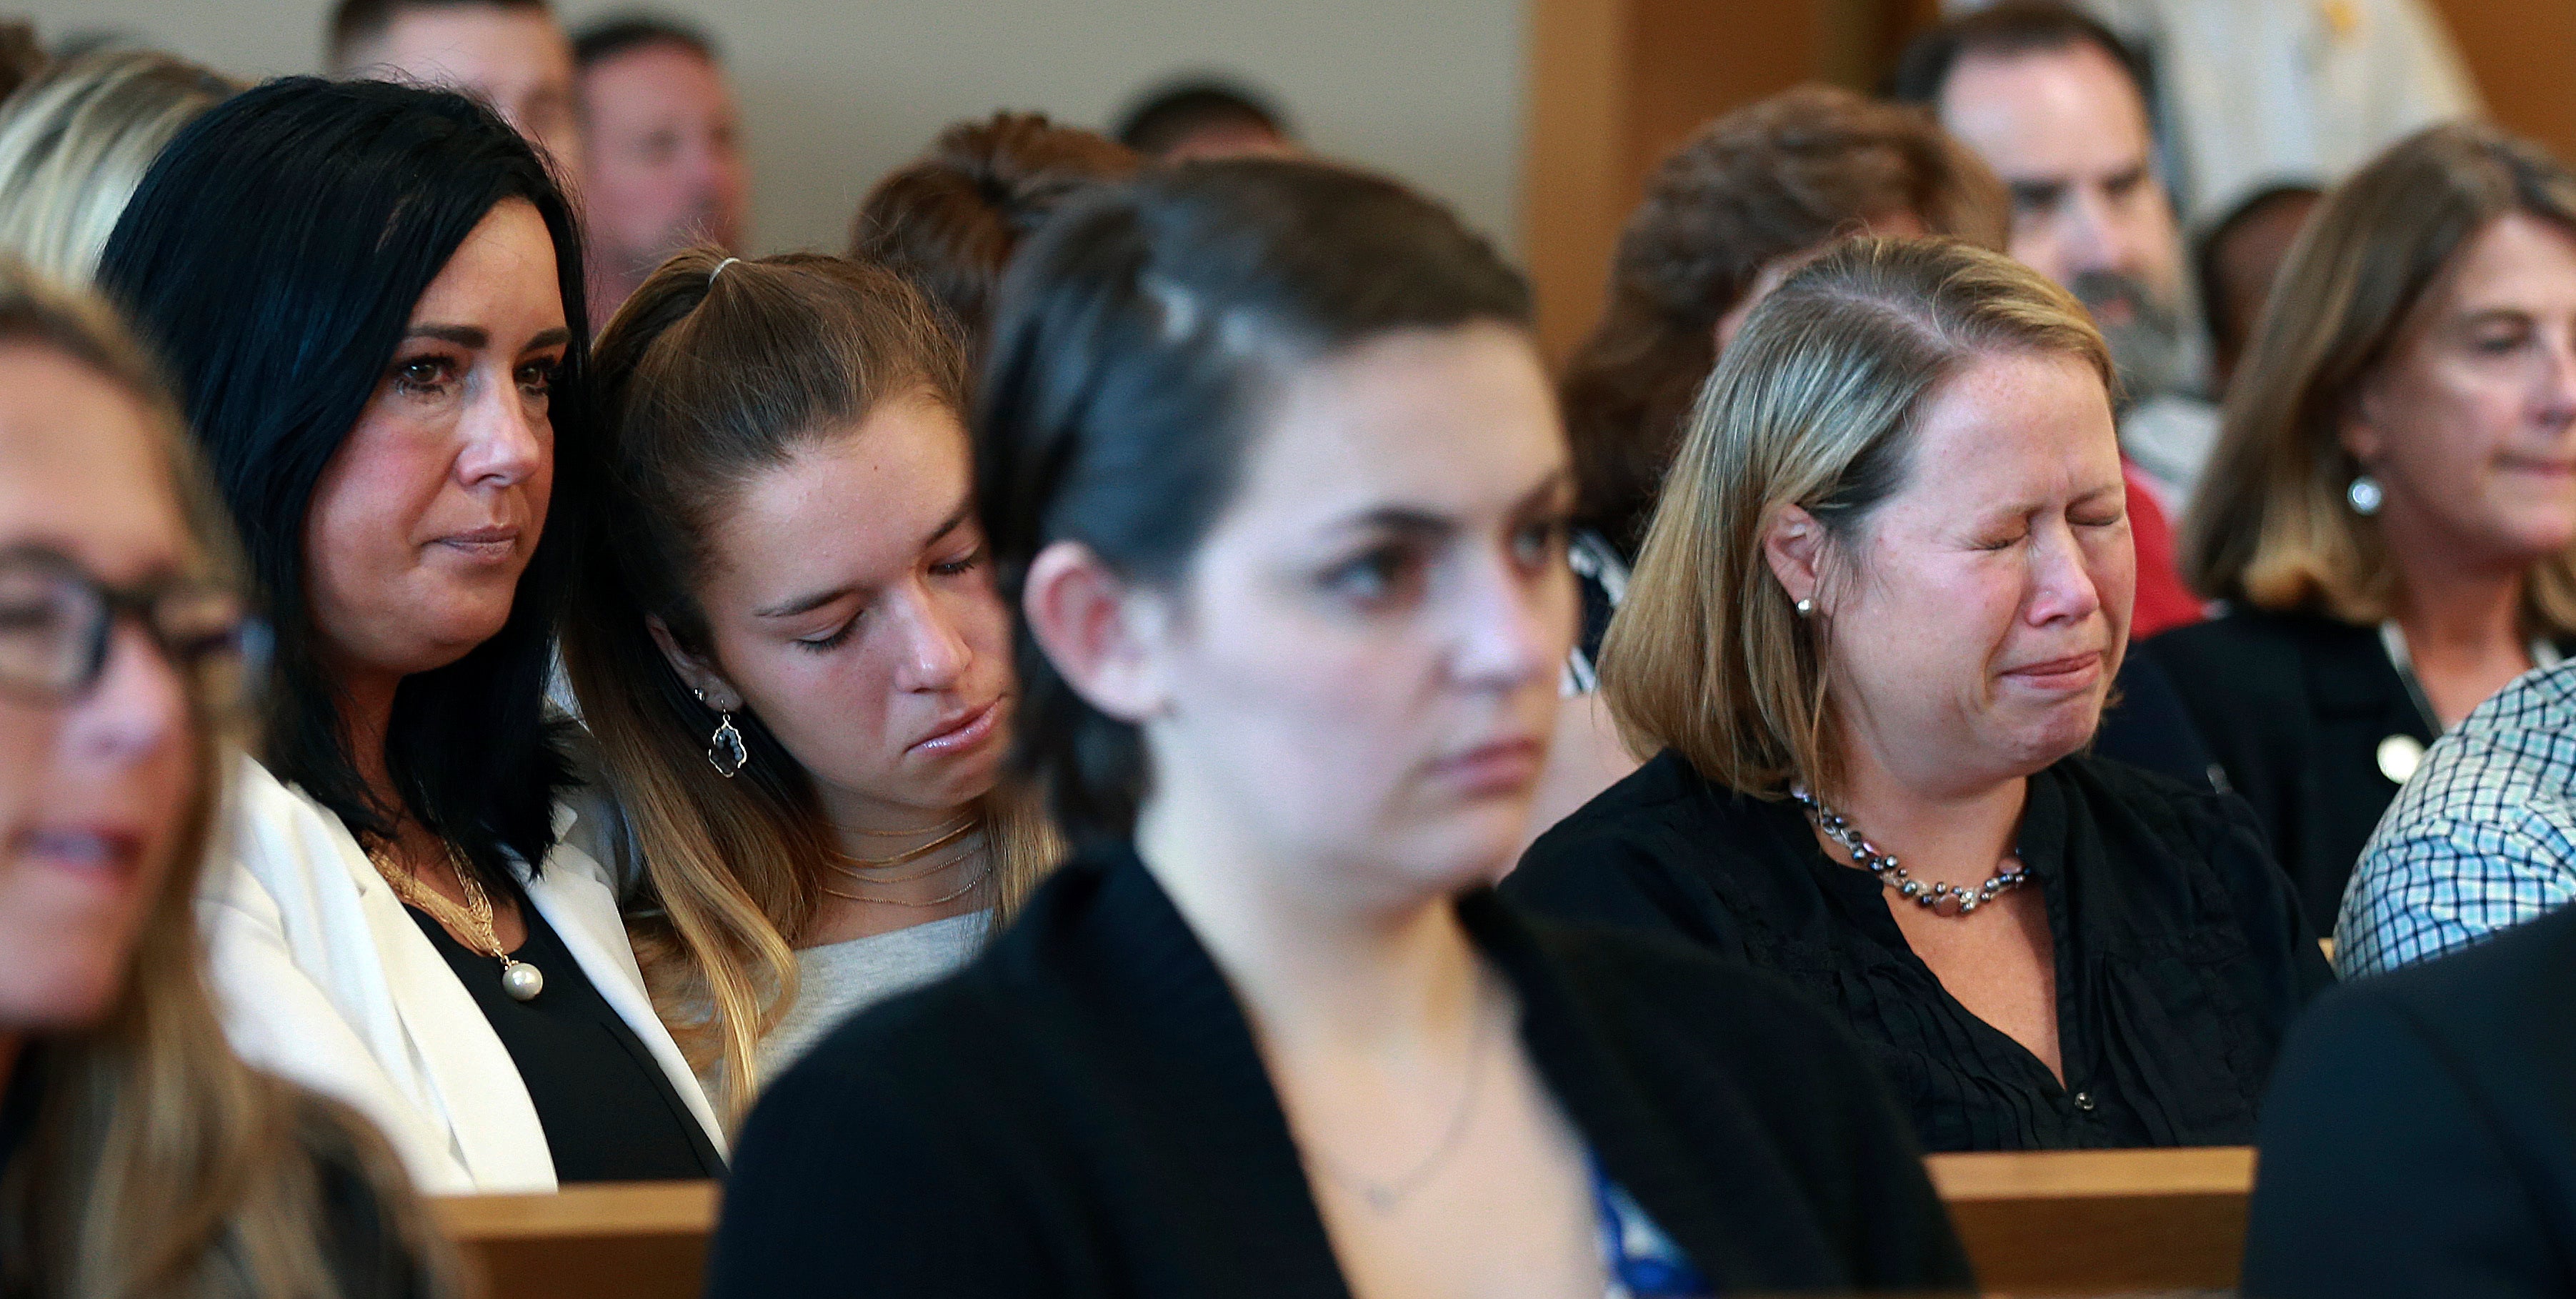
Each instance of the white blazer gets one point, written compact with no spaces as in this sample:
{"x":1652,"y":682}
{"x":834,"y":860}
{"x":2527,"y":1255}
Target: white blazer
{"x":322,"y":977}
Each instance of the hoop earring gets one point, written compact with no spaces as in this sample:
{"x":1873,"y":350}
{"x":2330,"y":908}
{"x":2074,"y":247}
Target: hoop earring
{"x":2365,"y":495}
{"x":725,"y":749}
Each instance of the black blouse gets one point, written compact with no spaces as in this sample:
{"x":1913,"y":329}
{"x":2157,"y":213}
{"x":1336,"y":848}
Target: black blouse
{"x":610,"y":1113}
{"x":1083,"y":1111}
{"x":2180,"y":951}
{"x":2295,"y":707}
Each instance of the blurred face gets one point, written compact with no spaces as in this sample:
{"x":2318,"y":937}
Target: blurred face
{"x":2068,"y":132}
{"x":1360,"y":667}
{"x":2467,"y":423}
{"x":665,"y":165}
{"x":853,"y":613}
{"x":427,"y":514}
{"x":1976,"y":623}
{"x":93,"y":787}
{"x":517,"y":60}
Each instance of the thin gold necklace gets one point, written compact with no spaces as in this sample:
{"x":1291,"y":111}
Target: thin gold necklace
{"x":922,"y":872}
{"x":967,"y":819}
{"x":519,"y":979}
{"x":942,"y":900}
{"x":960,"y":831}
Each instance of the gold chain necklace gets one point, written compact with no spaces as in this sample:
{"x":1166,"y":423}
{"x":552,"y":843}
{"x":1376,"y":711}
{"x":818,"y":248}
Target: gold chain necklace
{"x":942,"y":900}
{"x":968,"y":819}
{"x":961,"y":830}
{"x":519,"y":979}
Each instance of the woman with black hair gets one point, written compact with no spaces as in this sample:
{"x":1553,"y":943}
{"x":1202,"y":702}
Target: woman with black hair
{"x":1270,"y":465}
{"x":387,"y":377}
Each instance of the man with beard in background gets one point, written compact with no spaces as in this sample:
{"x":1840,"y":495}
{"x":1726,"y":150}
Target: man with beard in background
{"x":2057,"y":105}
{"x":665,"y":160}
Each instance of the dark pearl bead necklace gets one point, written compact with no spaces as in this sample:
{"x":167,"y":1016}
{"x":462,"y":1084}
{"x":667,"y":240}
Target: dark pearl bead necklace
{"x":1940,"y":899}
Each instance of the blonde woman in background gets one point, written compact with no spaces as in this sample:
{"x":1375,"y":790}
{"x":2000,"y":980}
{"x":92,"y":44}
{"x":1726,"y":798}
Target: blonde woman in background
{"x":787,"y":645}
{"x":138,"y":1155}
{"x":2390,"y":511}
{"x":1876,"y":619}
{"x":75,"y":142}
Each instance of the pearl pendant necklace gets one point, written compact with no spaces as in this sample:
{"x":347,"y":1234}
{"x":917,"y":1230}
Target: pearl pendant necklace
{"x":520,"y":980}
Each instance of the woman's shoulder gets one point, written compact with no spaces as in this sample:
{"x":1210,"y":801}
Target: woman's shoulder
{"x":2148,"y":810}
{"x":1663,"y":796}
{"x":375,"y":1234}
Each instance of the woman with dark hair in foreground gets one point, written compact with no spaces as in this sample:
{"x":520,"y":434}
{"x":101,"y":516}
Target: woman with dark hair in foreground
{"x":1270,"y":465}
{"x":388,"y":381}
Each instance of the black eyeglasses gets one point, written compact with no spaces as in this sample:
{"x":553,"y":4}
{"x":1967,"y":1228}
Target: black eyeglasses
{"x":57,"y":622}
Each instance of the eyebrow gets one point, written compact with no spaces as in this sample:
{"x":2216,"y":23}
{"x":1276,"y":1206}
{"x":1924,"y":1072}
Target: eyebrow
{"x":812,"y":601}
{"x":1413,"y":521}
{"x":476,"y":338}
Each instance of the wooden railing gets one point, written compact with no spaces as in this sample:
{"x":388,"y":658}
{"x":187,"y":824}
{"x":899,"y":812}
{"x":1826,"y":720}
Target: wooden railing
{"x":2063,"y":1223}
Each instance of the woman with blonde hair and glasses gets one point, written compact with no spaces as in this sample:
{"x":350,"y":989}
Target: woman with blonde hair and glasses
{"x":2391,"y":507}
{"x":1874,"y":625}
{"x":786,"y":641}
{"x":138,"y":1155}
{"x":76,"y":142}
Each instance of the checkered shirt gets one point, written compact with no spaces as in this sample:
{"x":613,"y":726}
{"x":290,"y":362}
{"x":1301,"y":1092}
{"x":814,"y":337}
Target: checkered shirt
{"x":2481,"y":839}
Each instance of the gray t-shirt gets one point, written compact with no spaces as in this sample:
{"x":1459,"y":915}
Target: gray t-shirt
{"x":841,"y":979}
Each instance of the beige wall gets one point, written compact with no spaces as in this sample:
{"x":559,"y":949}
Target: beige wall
{"x":837,"y":91}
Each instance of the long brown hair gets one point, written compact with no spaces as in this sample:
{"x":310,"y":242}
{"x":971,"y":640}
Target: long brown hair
{"x":1769,"y":180}
{"x":160,"y":1164}
{"x":706,"y":379}
{"x":2270,"y":526}
{"x":1815,"y":405}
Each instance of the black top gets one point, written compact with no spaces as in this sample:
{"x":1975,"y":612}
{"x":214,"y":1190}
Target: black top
{"x":2146,"y":725}
{"x":361,"y":1246}
{"x":2181,"y":956}
{"x":2421,"y":1136}
{"x":2294,"y":707}
{"x":610,"y":1113}
{"x":1082,"y":1111}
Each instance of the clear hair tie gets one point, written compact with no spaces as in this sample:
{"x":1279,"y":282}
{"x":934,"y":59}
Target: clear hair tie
{"x":719,"y":270}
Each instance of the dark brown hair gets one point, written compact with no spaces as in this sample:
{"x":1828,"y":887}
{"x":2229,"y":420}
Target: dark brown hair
{"x":1133,"y":348}
{"x":1769,"y":180}
{"x":950,"y":220}
{"x":715,"y":370}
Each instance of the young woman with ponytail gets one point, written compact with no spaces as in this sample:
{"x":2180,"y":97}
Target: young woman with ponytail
{"x":788,"y":648}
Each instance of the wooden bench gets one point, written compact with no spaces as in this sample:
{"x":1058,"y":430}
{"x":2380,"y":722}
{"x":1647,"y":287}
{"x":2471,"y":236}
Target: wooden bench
{"x":2099,"y":1222}
{"x":637,"y":1240}
{"x":2061,"y":1223}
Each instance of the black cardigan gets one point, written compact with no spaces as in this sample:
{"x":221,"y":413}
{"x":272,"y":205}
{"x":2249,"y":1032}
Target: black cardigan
{"x":2181,"y":956}
{"x":2294,"y":707}
{"x":2421,"y":1137}
{"x":1082,"y":1111}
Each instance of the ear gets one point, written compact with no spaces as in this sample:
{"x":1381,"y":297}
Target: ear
{"x":695,"y":673}
{"x":1099,"y":630}
{"x":1794,"y":544}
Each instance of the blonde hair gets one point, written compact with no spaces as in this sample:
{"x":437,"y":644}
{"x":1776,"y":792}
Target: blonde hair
{"x":75,"y":144}
{"x":704,"y":380}
{"x":2271,"y":527}
{"x":160,"y":1164}
{"x":1815,"y":406}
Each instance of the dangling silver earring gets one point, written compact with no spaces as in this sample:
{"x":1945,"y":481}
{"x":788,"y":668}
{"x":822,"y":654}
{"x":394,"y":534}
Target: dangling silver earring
{"x":725,"y":750}
{"x":1805,"y":607}
{"x":2365,"y":495}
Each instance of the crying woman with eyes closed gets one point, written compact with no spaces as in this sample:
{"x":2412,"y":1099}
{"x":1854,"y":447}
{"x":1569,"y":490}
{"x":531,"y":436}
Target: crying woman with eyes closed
{"x":788,"y":646}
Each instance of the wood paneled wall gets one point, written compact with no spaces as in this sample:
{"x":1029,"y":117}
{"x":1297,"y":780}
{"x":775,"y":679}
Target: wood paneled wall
{"x":1614,"y":84}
